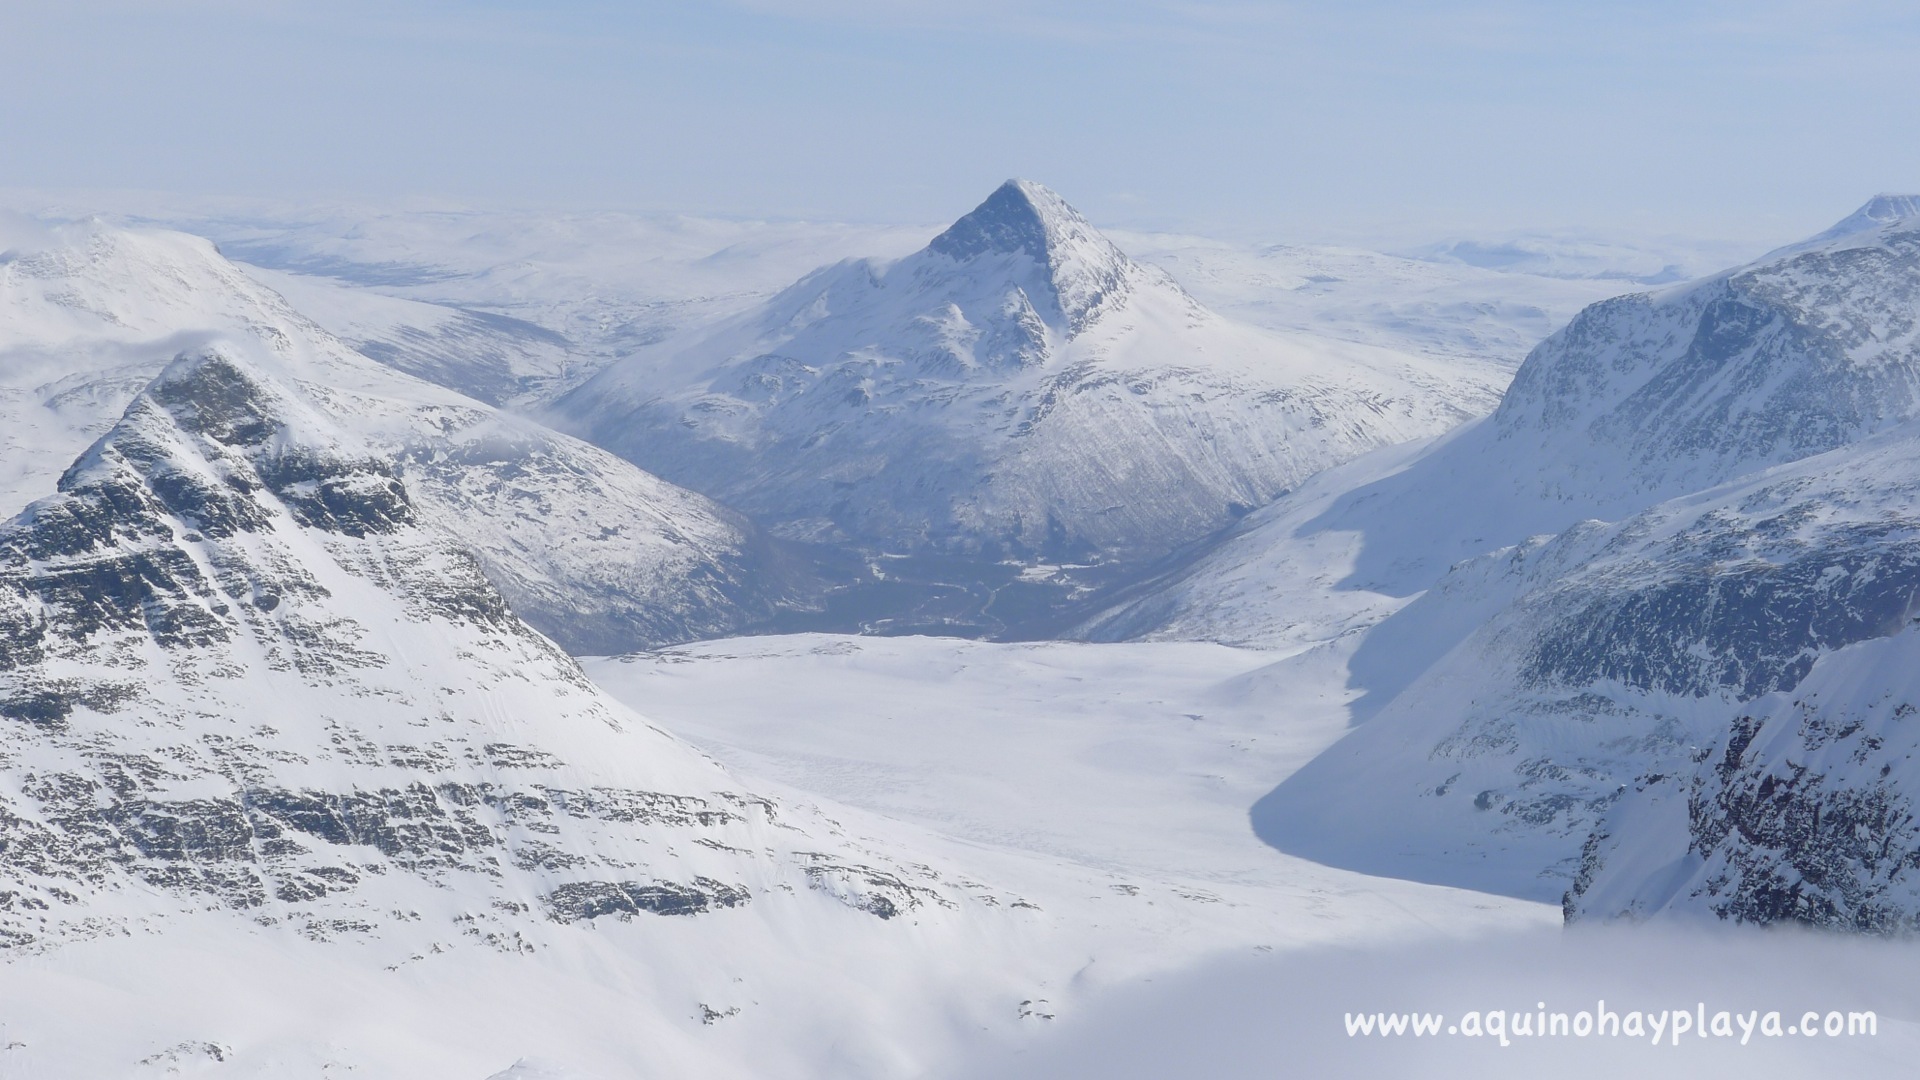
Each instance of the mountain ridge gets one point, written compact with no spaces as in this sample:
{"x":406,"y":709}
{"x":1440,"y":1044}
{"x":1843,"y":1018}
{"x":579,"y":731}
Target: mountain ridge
{"x":1673,"y":519}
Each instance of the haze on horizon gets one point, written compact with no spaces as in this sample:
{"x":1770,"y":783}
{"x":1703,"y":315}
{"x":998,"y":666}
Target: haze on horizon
{"x":1385,"y":118}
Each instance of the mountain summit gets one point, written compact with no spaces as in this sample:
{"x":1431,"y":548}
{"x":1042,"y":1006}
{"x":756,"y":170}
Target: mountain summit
{"x":593,"y":552}
{"x":1018,"y":391}
{"x":1020,"y":216}
{"x":1883,"y":209}
{"x":1082,"y":268}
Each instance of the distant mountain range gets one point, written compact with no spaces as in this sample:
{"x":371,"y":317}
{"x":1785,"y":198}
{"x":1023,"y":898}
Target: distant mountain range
{"x":1687,"y":504}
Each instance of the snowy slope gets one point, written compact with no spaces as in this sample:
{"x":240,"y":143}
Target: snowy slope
{"x":1143,"y":757}
{"x":262,"y":723}
{"x":1018,"y":387}
{"x":1140,"y":758}
{"x":1589,"y":662}
{"x":592,"y":550}
{"x":1887,"y":208}
{"x":1525,"y":663}
{"x":251,"y":697}
{"x":495,"y":358}
{"x":1796,"y":799}
{"x":1639,"y":399}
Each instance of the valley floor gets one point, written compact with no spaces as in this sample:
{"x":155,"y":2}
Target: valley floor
{"x":1139,"y":761}
{"x":1106,"y":784}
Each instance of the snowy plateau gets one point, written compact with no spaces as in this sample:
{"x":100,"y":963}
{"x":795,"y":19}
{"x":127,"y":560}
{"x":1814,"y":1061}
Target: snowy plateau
{"x":494,"y":646}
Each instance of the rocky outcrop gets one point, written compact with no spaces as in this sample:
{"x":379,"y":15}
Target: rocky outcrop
{"x":1801,"y":811}
{"x":1754,"y":434}
{"x":239,"y":667}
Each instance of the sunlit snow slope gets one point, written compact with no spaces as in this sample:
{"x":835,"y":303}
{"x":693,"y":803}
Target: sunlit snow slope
{"x":1018,"y":388}
{"x":1688,"y":504}
{"x":251,"y":696}
{"x":264,"y":724}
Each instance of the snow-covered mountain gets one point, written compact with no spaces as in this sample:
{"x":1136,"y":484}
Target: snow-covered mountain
{"x":590,"y":549}
{"x":288,"y":787}
{"x":1640,"y":398}
{"x":1537,"y":685}
{"x":518,"y":306}
{"x":1795,"y":800}
{"x":1688,"y":503}
{"x":1887,"y":208}
{"x":1019,"y":388}
{"x":248,"y":688}
{"x":1799,"y":353}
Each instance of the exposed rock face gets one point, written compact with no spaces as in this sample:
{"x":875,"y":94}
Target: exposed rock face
{"x":1567,"y":683}
{"x":239,"y":666}
{"x":1748,"y":628}
{"x":1077,"y":273}
{"x":1801,"y":811}
{"x":1785,"y":843}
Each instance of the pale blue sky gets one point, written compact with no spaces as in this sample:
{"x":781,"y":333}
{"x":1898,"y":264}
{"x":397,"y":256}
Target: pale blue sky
{"x":1769,"y":118}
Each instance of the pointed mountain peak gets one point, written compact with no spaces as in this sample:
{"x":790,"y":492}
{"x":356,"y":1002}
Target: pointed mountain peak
{"x":227,"y":394}
{"x":1882,"y":209}
{"x":215,"y":392}
{"x":1020,"y":216}
{"x":1081,"y":268}
{"x":214,"y":430}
